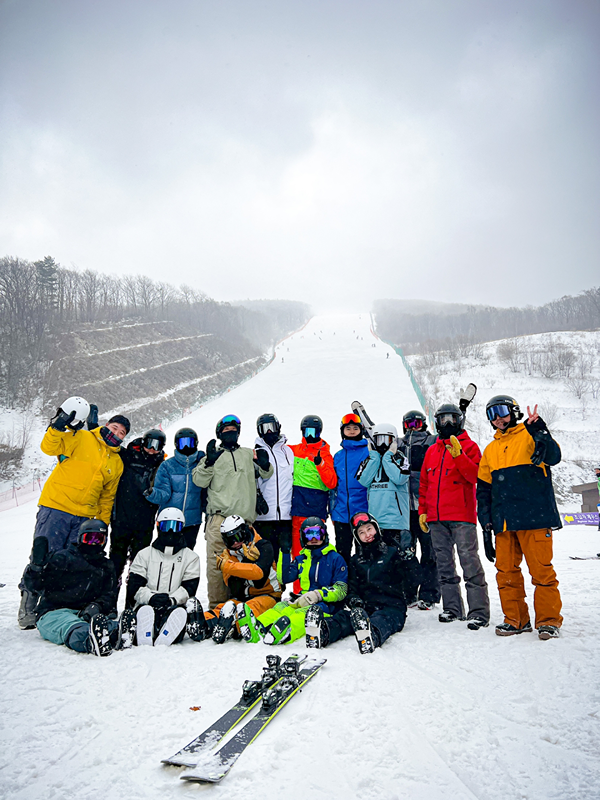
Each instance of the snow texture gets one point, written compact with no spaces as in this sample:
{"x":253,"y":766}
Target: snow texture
{"x":438,"y":713}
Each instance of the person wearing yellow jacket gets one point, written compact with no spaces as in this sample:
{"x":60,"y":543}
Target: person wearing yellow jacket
{"x":81,"y":486}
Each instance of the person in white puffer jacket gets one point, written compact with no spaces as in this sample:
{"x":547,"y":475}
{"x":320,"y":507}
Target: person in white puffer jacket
{"x":276,"y":490}
{"x":163,"y":581}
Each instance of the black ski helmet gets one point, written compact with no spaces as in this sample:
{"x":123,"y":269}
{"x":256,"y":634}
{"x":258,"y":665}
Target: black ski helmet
{"x":154,"y":439}
{"x":313,"y":522}
{"x":226,"y":421}
{"x":312,"y":421}
{"x":449,"y":420}
{"x":363,"y":518}
{"x":496,"y":402}
{"x":93,"y":533}
{"x":186,"y":441}
{"x":268,"y":423}
{"x":410,"y":416}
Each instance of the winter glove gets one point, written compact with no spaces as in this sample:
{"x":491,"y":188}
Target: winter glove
{"x":309,"y":599}
{"x":160,"y":600}
{"x":39,"y":553}
{"x":223,"y":558}
{"x":488,"y":542}
{"x":423,"y":523}
{"x":355,"y":602}
{"x":262,"y":459}
{"x":92,"y":418}
{"x":393,"y":448}
{"x":285,"y":542}
{"x":251,"y":552}
{"x":318,"y":458}
{"x":212,"y":454}
{"x":539,"y":454}
{"x":89,"y":611}
{"x":407,"y":553}
{"x":455,"y":447}
{"x":60,"y":420}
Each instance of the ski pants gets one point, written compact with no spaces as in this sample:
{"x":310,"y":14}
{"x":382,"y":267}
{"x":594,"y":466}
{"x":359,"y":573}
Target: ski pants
{"x":125,"y":544}
{"x":343,"y":540}
{"x":536,"y":546}
{"x":217,"y":591}
{"x":258,"y":605}
{"x":429,"y":590}
{"x":411,"y":570}
{"x":295,"y":615}
{"x":384,"y":622}
{"x":63,"y":626}
{"x":271,"y":530}
{"x":462,"y":535}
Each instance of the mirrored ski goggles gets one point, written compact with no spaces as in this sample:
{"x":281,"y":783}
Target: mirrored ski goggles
{"x":166,"y":525}
{"x":313,"y":534}
{"x":267,"y":427}
{"x":237,"y":535}
{"x":231,"y":419}
{"x":359,"y":519}
{"x":93,"y":537}
{"x":447,"y":419}
{"x":383,"y":438}
{"x":413,"y":423}
{"x":501,"y":410}
{"x":351,"y":419}
{"x":187,"y":441}
{"x":310,"y":432}
{"x":155,"y":444}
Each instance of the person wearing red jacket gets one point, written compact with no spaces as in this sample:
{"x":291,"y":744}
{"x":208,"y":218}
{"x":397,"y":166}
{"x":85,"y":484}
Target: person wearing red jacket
{"x":447,"y":510}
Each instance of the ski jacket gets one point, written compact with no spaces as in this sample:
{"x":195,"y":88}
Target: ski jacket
{"x":73,"y":578}
{"x":415,"y":444}
{"x":316,"y":568}
{"x":350,"y":495}
{"x":84,"y":482}
{"x":231,"y":483}
{"x":512,"y":493}
{"x":447,"y":490}
{"x":312,"y":482}
{"x":174,"y":487}
{"x":387,"y":490}
{"x":157,"y":569}
{"x":131,"y":508}
{"x":375,"y":575}
{"x":277,"y":490}
{"x":251,"y":575}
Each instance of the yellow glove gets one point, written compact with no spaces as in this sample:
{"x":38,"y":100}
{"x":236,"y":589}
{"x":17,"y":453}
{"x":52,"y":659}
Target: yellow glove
{"x":223,"y":558}
{"x":454,"y":448}
{"x":251,"y":552}
{"x":423,"y":523}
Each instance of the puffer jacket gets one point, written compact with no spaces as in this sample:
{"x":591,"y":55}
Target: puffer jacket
{"x":447,"y":491}
{"x":277,"y":490}
{"x":158,"y":569}
{"x":387,"y":489}
{"x":415,"y":444}
{"x":350,"y":494}
{"x":320,"y":568}
{"x":175,"y":488}
{"x":312,"y":482}
{"x":84,"y":482}
{"x":376,"y":576}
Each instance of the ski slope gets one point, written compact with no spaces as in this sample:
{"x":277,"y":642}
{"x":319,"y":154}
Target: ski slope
{"x":438,"y":713}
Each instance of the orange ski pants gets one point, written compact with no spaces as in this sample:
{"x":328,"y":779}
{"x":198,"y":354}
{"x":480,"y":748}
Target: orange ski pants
{"x":258,"y":605}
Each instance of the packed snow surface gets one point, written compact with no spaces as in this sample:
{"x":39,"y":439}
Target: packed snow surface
{"x":440,"y":712}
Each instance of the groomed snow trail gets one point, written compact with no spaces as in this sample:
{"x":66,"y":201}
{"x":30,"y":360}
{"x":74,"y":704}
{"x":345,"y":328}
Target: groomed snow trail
{"x":439,"y":713}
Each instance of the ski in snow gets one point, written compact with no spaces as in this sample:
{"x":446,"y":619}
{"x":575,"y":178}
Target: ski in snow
{"x":252,"y":692}
{"x":217,"y":766}
{"x":585,"y":558}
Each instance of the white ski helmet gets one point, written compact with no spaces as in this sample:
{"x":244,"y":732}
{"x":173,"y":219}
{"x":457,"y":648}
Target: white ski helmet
{"x":171,"y":515}
{"x":384,"y":433}
{"x":81,"y":408}
{"x":234,"y":529}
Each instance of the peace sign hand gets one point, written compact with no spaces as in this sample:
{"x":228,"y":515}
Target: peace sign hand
{"x":533,"y":416}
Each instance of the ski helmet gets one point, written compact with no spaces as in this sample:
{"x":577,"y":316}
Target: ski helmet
{"x":93,"y":532}
{"x":154,"y":439}
{"x":268,"y":423}
{"x":351,"y":419}
{"x":170,"y":519}
{"x":414,"y":420}
{"x":449,"y":420}
{"x":384,"y":433}
{"x":235,"y":530}
{"x":81,"y":408}
{"x":313,"y":533}
{"x":503,"y":405}
{"x":186,"y":441}
{"x":364,"y":518}
{"x":311,"y":427}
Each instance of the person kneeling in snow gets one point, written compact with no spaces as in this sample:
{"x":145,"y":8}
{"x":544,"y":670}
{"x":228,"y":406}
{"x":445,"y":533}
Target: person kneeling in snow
{"x":322,"y":574}
{"x":248,"y":571}
{"x":77,"y":588}
{"x":376,"y":605}
{"x":163,"y":581}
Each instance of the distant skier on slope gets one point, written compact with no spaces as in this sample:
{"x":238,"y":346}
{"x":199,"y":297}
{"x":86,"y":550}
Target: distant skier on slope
{"x":350,"y":495}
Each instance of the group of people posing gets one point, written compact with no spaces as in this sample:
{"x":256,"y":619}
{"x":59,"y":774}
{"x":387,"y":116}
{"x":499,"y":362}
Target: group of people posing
{"x":400,"y":506}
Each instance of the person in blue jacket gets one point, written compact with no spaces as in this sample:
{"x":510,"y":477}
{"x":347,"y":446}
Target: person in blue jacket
{"x":350,"y":495}
{"x":174,"y":487}
{"x":386,"y":475}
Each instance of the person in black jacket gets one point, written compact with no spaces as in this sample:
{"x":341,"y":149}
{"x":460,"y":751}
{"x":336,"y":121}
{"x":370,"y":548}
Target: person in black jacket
{"x":133,"y":515}
{"x":77,"y":588}
{"x":376,"y":608}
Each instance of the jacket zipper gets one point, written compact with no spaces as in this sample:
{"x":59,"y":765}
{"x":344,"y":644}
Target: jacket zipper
{"x":159,"y":574}
{"x":187,"y":479}
{"x":171,"y":578}
{"x":347,"y":490}
{"x":233,"y":459}
{"x":440,"y":483}
{"x":276,"y":481}
{"x":398,"y":503}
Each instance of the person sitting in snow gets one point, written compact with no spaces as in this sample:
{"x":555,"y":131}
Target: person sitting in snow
{"x":163,"y":581}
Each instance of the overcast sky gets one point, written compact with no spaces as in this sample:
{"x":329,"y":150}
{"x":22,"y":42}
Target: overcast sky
{"x":317,"y":150}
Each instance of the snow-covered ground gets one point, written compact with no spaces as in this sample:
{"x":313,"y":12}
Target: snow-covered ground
{"x":438,"y":713}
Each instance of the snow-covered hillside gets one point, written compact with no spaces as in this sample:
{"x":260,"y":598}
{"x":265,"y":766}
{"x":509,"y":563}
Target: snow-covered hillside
{"x":439,"y":713}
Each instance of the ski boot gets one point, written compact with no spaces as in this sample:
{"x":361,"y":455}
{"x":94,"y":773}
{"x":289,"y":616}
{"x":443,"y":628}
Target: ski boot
{"x":548,"y":632}
{"x":362,"y":630}
{"x":250,"y":628}
{"x":224,"y":627}
{"x":127,"y":629}
{"x":197,"y":626}
{"x":99,"y":636}
{"x":145,"y":625}
{"x":317,"y":632}
{"x":172,"y":627}
{"x":475,"y":623}
{"x":449,"y":616}
{"x":506,"y":629}
{"x":279,"y":632}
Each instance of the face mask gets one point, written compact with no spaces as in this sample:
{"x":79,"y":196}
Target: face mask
{"x":111,"y":439}
{"x":446,"y":431}
{"x":229,"y":438}
{"x":270,"y":438}
{"x":91,"y":549}
{"x":170,"y":538}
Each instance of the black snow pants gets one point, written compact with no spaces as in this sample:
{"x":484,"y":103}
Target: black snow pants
{"x":343,"y":540}
{"x":271,"y":530}
{"x":384,"y":622}
{"x":429,"y":589}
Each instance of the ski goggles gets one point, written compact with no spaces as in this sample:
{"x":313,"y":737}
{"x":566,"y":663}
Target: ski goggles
{"x":155,"y":444}
{"x":235,"y":536}
{"x":413,"y":423}
{"x":447,"y":419}
{"x":313,"y":534}
{"x":268,"y":427}
{"x":187,"y":441}
{"x":360,"y":519}
{"x":93,"y":537}
{"x":166,"y":525}
{"x":230,"y":419}
{"x":500,"y":410}
{"x":311,"y":432}
{"x":351,"y":419}
{"x":383,"y":438}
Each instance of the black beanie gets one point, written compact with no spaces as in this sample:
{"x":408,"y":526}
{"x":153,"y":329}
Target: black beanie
{"x":121,"y":420}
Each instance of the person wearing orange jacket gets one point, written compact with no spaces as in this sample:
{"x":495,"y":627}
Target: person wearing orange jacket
{"x":314,"y":476}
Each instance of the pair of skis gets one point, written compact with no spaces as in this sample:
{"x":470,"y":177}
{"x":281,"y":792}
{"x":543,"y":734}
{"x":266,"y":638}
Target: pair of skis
{"x":279,"y":683}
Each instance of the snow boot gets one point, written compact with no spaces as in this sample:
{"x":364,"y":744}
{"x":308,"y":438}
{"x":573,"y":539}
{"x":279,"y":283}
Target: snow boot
{"x":317,"y":632}
{"x":197,"y":627}
{"x":475,"y":623}
{"x":99,"y":636}
{"x":224,"y":627}
{"x":279,"y":632}
{"x":172,"y":627}
{"x":26,"y":614}
{"x":505,"y":629}
{"x":127,"y":628}
{"x":145,"y":625}
{"x":412,"y":603}
{"x":548,"y":632}
{"x":250,"y":628}
{"x":362,"y":630}
{"x":424,"y":605}
{"x":449,"y":616}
